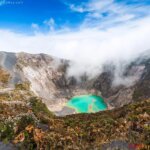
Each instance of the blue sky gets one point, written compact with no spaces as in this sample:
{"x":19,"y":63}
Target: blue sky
{"x":24,"y":14}
{"x":67,"y":13}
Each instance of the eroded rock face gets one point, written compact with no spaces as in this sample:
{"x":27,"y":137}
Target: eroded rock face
{"x":142,"y":87}
{"x":139,"y":73}
{"x":8,"y":62}
{"x":48,"y":79}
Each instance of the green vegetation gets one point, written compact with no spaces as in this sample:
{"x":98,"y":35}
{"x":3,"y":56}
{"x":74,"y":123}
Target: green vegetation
{"x":23,"y":86}
{"x":84,"y":131}
{"x":6,"y":131}
{"x":40,"y":110}
{"x":4,"y":97}
{"x":26,"y":122}
{"x":4,"y":76}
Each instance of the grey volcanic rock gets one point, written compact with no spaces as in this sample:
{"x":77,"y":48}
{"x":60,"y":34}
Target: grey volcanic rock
{"x":8,"y":61}
{"x":104,"y":84}
{"x":116,"y":145}
{"x":7,"y":146}
{"x":65,"y":111}
{"x":142,"y":88}
{"x":122,"y":97}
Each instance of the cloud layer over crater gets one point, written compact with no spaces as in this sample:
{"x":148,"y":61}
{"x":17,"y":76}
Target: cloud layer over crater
{"x":110,"y":32}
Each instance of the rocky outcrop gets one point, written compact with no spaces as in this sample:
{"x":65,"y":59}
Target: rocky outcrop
{"x":132,"y":80}
{"x":142,"y":88}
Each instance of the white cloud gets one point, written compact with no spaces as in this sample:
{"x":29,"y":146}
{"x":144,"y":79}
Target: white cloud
{"x":106,"y":13}
{"x":35,"y":26}
{"x":50,"y":23}
{"x":88,"y":47}
{"x":77,"y":8}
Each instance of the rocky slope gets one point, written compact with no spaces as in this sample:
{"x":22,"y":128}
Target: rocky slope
{"x":48,"y":79}
{"x":46,"y":75}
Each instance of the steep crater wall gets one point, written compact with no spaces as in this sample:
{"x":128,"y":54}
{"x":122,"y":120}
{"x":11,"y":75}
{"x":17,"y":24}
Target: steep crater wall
{"x":48,"y":79}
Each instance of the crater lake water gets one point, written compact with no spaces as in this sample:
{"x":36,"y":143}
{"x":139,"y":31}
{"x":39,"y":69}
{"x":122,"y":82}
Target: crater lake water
{"x":87,"y":104}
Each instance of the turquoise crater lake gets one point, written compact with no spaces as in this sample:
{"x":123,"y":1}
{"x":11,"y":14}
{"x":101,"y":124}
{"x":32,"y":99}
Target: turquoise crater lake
{"x":87,"y":104}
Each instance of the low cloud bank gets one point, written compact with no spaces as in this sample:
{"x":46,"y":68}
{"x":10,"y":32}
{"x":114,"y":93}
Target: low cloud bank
{"x":88,"y":48}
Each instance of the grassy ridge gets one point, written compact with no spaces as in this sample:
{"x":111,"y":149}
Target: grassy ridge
{"x":32,"y":126}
